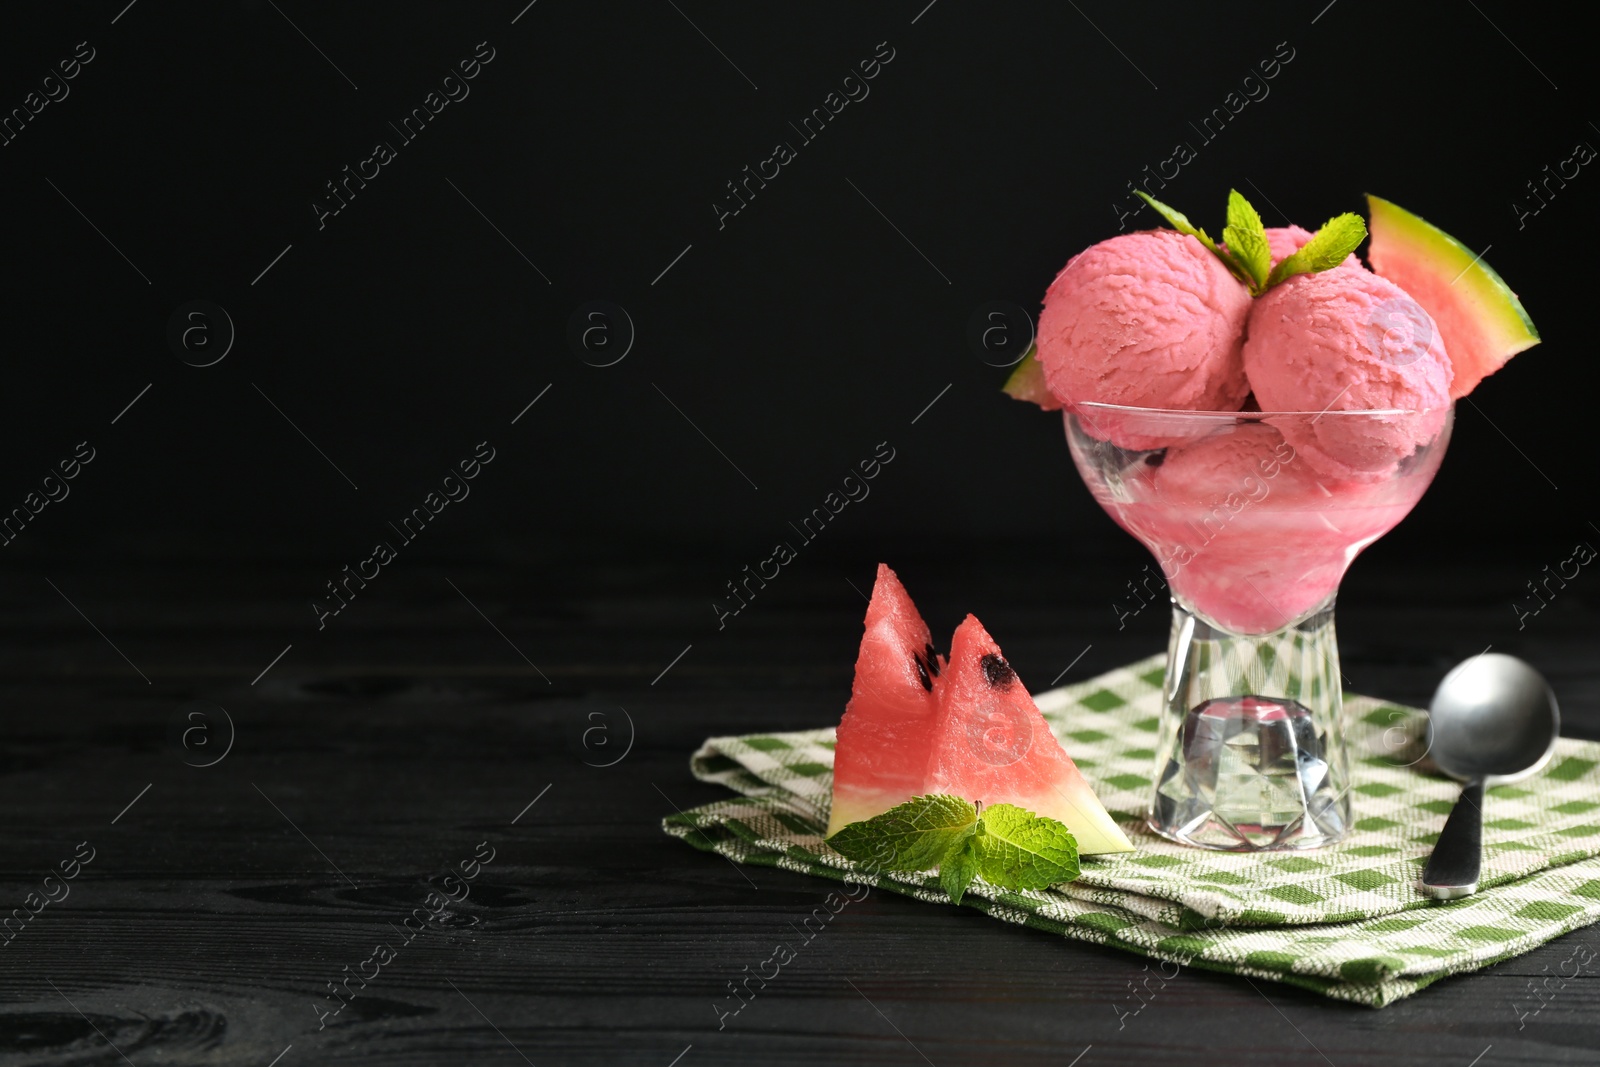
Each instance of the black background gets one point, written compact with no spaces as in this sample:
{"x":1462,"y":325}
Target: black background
{"x":796,"y":338}
{"x":820,"y":321}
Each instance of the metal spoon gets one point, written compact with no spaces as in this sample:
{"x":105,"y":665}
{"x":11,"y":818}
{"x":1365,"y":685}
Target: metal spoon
{"x":1493,"y":719}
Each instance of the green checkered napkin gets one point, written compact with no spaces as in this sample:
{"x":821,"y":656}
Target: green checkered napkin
{"x":1345,"y":920}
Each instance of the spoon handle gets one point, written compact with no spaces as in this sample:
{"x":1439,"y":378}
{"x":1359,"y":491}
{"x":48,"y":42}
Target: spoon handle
{"x":1452,"y":870}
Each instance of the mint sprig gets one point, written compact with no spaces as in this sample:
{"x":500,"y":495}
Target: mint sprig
{"x":1246,"y":253}
{"x":1005,"y":845}
{"x":1328,"y":247}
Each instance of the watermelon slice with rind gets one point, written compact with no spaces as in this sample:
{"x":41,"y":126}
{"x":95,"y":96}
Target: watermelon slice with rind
{"x":993,"y":745}
{"x":1027,"y":382}
{"x":884,"y":738}
{"x":1480,"y":320}
{"x":917,"y":724}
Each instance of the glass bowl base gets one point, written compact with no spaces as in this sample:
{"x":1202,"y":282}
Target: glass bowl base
{"x":1239,"y":771}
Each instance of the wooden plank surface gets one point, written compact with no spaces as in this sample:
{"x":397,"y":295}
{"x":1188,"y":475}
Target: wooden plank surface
{"x":377,"y":755}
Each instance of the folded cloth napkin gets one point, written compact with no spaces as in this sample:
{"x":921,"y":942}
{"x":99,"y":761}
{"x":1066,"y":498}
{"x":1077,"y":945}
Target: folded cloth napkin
{"x":1345,"y":920}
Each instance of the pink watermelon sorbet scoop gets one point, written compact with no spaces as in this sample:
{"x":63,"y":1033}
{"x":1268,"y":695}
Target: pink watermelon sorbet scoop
{"x":1150,"y":319}
{"x":1348,"y":340}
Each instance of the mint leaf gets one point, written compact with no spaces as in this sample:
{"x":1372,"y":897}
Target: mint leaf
{"x":1246,"y":238}
{"x":959,"y":867}
{"x":1328,"y":247}
{"x":1180,"y":222}
{"x":1338,"y":237}
{"x":914,"y":836}
{"x":1017,"y":849}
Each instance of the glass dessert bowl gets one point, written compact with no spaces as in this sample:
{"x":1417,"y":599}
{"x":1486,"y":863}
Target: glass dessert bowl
{"x":1254,"y":518}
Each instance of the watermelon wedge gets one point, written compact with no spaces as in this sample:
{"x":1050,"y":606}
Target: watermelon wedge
{"x":917,"y":724}
{"x":1480,"y":320}
{"x":1027,"y":382}
{"x":884,"y":738}
{"x":992,"y":744}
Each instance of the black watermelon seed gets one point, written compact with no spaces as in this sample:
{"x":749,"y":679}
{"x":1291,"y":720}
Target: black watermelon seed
{"x":996,"y":671}
{"x":922,"y":672}
{"x":932,"y":658}
{"x":1155,"y":459}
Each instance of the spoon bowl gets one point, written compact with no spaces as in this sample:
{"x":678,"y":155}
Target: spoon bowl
{"x":1492,"y":717}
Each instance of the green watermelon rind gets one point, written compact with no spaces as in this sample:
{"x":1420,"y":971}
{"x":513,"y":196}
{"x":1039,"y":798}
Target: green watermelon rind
{"x":1027,"y":381}
{"x":1505,"y":313}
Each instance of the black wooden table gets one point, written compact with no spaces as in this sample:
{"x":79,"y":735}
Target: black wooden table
{"x":458,"y":722}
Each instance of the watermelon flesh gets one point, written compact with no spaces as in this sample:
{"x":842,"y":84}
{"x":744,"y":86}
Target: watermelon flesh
{"x":917,"y":724}
{"x":884,"y":738}
{"x":1480,"y":320}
